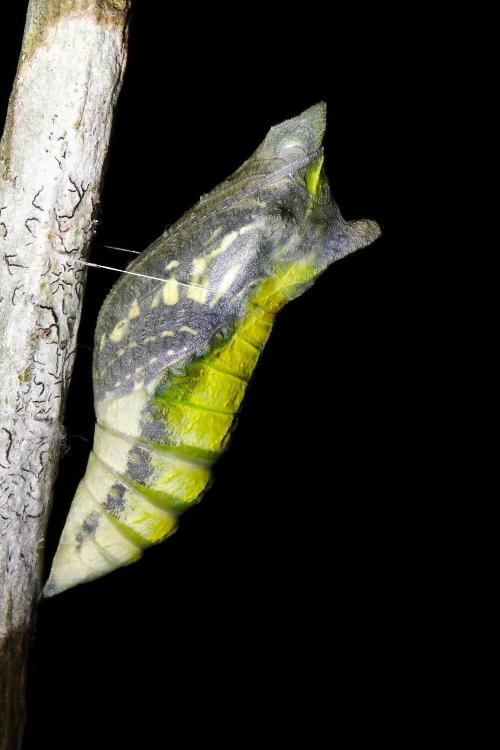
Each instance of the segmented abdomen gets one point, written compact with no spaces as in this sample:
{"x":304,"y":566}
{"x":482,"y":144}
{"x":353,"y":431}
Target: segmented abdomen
{"x":152,"y":456}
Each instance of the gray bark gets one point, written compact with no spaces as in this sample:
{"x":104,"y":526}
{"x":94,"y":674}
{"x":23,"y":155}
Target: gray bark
{"x":52,"y":156}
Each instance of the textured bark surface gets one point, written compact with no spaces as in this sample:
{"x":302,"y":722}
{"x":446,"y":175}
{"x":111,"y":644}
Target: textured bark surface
{"x":52,"y":156}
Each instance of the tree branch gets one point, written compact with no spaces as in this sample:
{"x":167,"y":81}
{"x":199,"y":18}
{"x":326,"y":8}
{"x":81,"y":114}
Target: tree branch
{"x":52,"y":155}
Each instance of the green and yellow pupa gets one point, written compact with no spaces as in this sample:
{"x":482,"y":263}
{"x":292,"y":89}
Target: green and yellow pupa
{"x":174,"y":352}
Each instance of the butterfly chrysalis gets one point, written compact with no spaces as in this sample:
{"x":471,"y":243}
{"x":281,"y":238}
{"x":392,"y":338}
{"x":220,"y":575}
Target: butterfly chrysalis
{"x":173,"y":358}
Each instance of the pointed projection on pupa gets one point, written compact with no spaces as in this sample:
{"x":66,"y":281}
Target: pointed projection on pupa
{"x":173,"y":358}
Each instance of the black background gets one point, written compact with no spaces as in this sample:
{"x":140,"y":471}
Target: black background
{"x":283,"y":605}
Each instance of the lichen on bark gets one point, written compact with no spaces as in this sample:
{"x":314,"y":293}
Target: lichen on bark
{"x":52,"y":155}
{"x":42,"y":16}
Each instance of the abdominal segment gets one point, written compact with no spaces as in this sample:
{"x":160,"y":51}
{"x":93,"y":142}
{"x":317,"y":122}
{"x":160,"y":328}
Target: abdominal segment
{"x":152,"y":457}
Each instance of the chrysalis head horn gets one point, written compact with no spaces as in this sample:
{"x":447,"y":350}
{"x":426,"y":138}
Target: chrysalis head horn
{"x":347,"y":236}
{"x":299,"y":136}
